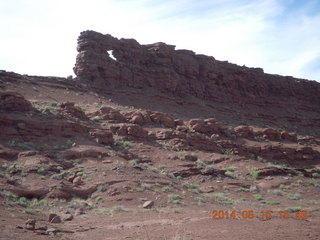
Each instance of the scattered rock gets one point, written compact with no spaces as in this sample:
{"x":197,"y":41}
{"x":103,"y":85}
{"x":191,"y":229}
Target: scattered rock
{"x":30,"y":224}
{"x":190,"y":157}
{"x":271,"y":134}
{"x":75,"y":111}
{"x":79,"y":211}
{"x":148,"y":204}
{"x":21,"y":125}
{"x":137,"y":131}
{"x":52,"y":231}
{"x":67,"y":216}
{"x":164,"y":134}
{"x":57,"y":193}
{"x":137,"y":119}
{"x":77,"y":181}
{"x":103,"y":137}
{"x":54,"y":218}
{"x":292,"y":137}
{"x":111,"y":114}
{"x":244,"y":131}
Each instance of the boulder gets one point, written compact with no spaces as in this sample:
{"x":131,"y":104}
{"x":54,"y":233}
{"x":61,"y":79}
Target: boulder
{"x":148,"y":204}
{"x":12,"y":101}
{"x":75,"y":111}
{"x":54,"y":218}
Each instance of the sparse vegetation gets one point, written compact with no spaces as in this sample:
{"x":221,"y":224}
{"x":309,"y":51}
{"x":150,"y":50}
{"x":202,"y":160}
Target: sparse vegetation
{"x":199,"y":200}
{"x":167,"y":189}
{"x":296,"y":196}
{"x":194,"y":186}
{"x":278,"y":192}
{"x":118,"y":208}
{"x":201,"y":163}
{"x":229,"y":152}
{"x":122,"y":143}
{"x":270,"y":202}
{"x":254,"y":173}
{"x":68,"y":144}
{"x":41,"y":171}
{"x":102,"y":188}
{"x":96,"y":119}
{"x":229,"y":169}
{"x":258,"y":197}
{"x":314,"y":183}
{"x":181,"y":151}
{"x":179,"y":178}
{"x":45,"y":107}
{"x":155,"y":170}
{"x":293,"y":209}
{"x":282,"y":186}
{"x":23,"y":145}
{"x":242,"y":189}
{"x":32,"y":204}
{"x":221,"y":198}
{"x":260,"y":159}
{"x":173,"y":197}
{"x":99,"y":198}
{"x":316,"y":175}
{"x":230,"y":174}
{"x":78,"y":202}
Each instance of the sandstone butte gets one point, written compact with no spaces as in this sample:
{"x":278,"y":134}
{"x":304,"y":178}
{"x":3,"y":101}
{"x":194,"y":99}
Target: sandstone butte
{"x":106,"y":62}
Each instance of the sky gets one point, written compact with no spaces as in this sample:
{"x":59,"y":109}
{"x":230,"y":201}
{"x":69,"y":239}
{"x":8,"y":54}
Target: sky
{"x":39,"y":37}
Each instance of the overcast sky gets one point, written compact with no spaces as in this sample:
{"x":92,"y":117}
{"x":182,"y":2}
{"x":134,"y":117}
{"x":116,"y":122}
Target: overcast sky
{"x":39,"y":37}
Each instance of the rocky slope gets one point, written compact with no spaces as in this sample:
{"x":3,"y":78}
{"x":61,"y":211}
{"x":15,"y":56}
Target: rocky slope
{"x":108,"y":63}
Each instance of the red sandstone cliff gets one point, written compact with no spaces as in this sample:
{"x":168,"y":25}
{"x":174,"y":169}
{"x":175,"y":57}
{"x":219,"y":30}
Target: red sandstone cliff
{"x":181,"y":72}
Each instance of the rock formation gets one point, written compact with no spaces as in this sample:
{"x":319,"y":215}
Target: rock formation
{"x":106,"y":62}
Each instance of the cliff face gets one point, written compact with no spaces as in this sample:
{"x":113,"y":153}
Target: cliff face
{"x":107,"y":62}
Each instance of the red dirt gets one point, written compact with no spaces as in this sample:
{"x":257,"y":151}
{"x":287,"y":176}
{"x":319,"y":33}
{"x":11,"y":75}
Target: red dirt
{"x":109,"y":161}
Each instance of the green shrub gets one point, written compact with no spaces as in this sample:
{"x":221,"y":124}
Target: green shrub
{"x":194,"y":186}
{"x":41,"y":171}
{"x":270,"y":202}
{"x":278,"y":192}
{"x":179,"y":178}
{"x":229,"y":152}
{"x":96,"y":118}
{"x":155,"y":170}
{"x":173,"y":197}
{"x":282,"y":186}
{"x":230,"y":174}
{"x":167,"y":189}
{"x":314,"y":183}
{"x":124,"y":144}
{"x":294,"y":196}
{"x":229,"y":169}
{"x":293,"y":209}
{"x":23,"y":145}
{"x":102,"y":188}
{"x":258,"y":197}
{"x":254,"y":174}
{"x":221,"y":198}
{"x":199,"y":200}
{"x":99,"y":198}
{"x":316,"y":175}
{"x":118,"y":208}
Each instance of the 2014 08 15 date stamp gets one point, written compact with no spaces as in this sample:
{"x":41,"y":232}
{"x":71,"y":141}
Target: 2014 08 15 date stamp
{"x":262,"y":215}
